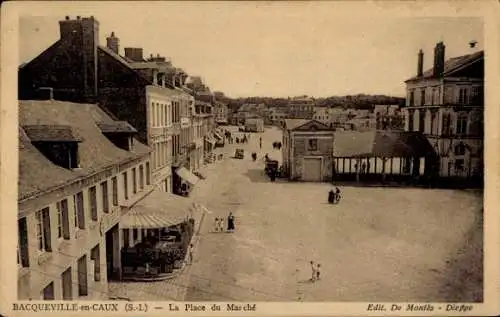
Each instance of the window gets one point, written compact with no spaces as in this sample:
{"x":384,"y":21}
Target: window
{"x":421,"y":121}
{"x":134,"y":181}
{"x":148,"y":180}
{"x":312,"y":145}
{"x":463,"y":97}
{"x":79,"y":211}
{"x":459,"y":166}
{"x":105,"y":198}
{"x":446,"y":124}
{"x":43,"y":229}
{"x":93,"y":203}
{"x":462,"y":124}
{"x":48,"y":292}
{"x":82,"y":276}
{"x":125,"y":185}
{"x":460,"y":149}
{"x":126,"y":238}
{"x":410,"y":121}
{"x":23,"y":242}
{"x":67,"y":284}
{"x":422,"y":97}
{"x":95,"y":256}
{"x":135,"y":234}
{"x":141,"y":177}
{"x":114,"y":185}
{"x":62,"y":219}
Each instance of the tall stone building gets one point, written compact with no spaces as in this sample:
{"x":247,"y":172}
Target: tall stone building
{"x":149,"y":93}
{"x":446,"y":103}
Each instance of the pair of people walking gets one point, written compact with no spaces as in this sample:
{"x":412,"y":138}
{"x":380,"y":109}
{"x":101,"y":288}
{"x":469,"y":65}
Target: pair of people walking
{"x":334,"y":196}
{"x":219,"y":224}
{"x":315,"y":271}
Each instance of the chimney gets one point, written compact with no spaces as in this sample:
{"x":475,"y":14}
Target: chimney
{"x":420,"y":66}
{"x":83,"y":36}
{"x":134,"y":54}
{"x":113,"y":43}
{"x":439,"y":56}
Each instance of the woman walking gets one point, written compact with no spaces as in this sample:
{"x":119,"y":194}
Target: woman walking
{"x":230,"y":222}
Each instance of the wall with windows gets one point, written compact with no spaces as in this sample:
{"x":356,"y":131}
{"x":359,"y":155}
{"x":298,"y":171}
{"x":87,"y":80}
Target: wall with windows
{"x":61,"y":240}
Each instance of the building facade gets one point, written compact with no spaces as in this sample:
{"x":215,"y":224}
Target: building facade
{"x":307,"y":150}
{"x":221,"y":113}
{"x":446,"y":104}
{"x":149,"y":93}
{"x":79,"y":171}
{"x":301,"y":107}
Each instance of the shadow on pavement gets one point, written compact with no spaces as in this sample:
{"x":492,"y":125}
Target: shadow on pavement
{"x":257,"y":176}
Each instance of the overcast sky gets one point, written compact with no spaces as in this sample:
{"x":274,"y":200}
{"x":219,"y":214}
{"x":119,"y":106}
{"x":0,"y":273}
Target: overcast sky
{"x":269,"y":49}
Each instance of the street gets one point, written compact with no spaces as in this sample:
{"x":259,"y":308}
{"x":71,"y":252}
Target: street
{"x":378,"y":244}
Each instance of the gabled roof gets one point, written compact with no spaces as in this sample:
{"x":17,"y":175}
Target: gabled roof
{"x":381,"y":144}
{"x":123,"y":61}
{"x":96,"y":152}
{"x":306,"y":124}
{"x":50,"y":133}
{"x":453,"y":64}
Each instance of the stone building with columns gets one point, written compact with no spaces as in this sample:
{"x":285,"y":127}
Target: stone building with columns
{"x":79,"y":172}
{"x":446,"y":104}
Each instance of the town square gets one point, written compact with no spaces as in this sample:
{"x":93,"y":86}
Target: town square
{"x":170,"y":157}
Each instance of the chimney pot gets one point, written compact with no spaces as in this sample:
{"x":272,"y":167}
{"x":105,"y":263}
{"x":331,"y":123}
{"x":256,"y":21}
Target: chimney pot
{"x":112,"y":33}
{"x":67,"y":18}
{"x":78,"y":17}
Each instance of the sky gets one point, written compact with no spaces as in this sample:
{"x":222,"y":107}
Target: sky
{"x":269,"y":49}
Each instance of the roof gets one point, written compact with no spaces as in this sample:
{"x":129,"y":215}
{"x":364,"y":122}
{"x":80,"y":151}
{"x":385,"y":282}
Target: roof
{"x":50,"y":133}
{"x":123,"y":61}
{"x":452,"y":64}
{"x":96,"y":152}
{"x":381,"y":144}
{"x":116,"y":127}
{"x":291,"y":124}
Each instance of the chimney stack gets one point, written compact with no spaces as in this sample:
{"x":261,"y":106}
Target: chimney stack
{"x":113,"y":43}
{"x":420,"y":67}
{"x":439,"y":56}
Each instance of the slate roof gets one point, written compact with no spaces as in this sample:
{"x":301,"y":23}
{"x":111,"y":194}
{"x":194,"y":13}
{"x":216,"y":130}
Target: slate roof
{"x":381,"y":144}
{"x":96,"y":152}
{"x":53,"y":133}
{"x":291,"y":124}
{"x":452,"y":64}
{"x":117,"y":126}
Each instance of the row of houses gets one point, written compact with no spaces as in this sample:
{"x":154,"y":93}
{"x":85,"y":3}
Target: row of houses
{"x":441,"y":140}
{"x":100,"y":134}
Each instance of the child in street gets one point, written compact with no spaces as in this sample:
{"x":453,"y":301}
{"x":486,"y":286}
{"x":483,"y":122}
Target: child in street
{"x":313,"y":272}
{"x":221,"y":226}
{"x":317,"y":271}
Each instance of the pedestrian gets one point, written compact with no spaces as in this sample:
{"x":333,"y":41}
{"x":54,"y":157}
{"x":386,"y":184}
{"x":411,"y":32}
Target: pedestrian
{"x":216,"y":225}
{"x":337,"y":195}
{"x":221,"y":222}
{"x":191,"y":253}
{"x":230,"y":222}
{"x":331,"y":196}
{"x":260,"y":143}
{"x":317,"y":271}
{"x":313,"y":272}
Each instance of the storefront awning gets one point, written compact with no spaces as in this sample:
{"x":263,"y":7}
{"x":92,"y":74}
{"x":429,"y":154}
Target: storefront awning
{"x":186,"y":175}
{"x":159,"y":210}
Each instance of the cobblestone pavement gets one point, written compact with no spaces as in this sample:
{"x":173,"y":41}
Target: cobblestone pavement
{"x":378,"y":244}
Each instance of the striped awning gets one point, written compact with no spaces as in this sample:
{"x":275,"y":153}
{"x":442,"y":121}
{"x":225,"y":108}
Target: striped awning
{"x":159,"y":210}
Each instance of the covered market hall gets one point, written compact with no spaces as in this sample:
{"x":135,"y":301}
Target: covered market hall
{"x":156,"y":233}
{"x":383,"y":156}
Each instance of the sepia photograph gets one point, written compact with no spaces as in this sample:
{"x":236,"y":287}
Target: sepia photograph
{"x":249,"y":152}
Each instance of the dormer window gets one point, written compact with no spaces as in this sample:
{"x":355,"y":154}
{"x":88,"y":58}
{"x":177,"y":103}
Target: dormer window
{"x":58,"y":143}
{"x":120,"y":133}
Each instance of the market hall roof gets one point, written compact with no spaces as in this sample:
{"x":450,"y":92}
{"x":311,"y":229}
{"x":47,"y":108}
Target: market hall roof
{"x":96,"y":152}
{"x":381,"y":144}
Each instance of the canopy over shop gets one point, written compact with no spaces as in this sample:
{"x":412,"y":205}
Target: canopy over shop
{"x":156,"y":234}
{"x":382,"y":155}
